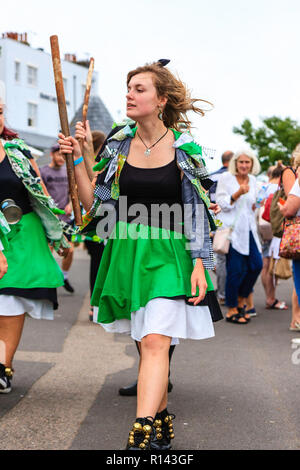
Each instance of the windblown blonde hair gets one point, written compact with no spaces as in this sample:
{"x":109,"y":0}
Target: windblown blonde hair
{"x":179,"y":98}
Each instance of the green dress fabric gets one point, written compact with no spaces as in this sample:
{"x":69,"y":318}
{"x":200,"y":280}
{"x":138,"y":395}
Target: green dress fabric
{"x":30,"y":261}
{"x":135,"y":269}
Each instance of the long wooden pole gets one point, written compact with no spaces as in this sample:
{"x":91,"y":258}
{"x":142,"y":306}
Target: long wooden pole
{"x":62,"y":109}
{"x":88,"y":90}
{"x":87,"y":161}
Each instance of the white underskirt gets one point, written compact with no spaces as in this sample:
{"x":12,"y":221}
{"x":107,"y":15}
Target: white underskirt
{"x":168,"y":317}
{"x":11,"y":305}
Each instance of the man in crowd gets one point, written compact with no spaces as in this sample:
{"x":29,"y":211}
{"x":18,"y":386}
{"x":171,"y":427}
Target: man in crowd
{"x":55,"y":179}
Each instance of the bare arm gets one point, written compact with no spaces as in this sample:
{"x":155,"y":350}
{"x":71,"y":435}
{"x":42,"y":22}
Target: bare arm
{"x":198,"y":279}
{"x":291,"y":206}
{"x":288,"y":180}
{"x":85,"y":187}
{"x":84,"y":135}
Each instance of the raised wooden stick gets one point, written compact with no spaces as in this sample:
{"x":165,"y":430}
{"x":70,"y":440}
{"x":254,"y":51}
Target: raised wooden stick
{"x":87,"y":161}
{"x":88,"y":90}
{"x":62,"y":109}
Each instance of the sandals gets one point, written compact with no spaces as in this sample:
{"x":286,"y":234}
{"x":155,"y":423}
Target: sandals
{"x":296,"y":327}
{"x":251,"y":312}
{"x":282,"y":305}
{"x":236,"y":317}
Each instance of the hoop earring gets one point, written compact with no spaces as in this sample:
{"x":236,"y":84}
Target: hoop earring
{"x":160,"y":114}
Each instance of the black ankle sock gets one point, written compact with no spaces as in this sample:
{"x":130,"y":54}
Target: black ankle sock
{"x":162,"y":414}
{"x":144,"y":421}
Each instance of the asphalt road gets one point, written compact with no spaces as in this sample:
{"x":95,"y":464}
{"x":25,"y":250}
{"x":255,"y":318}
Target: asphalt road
{"x":239,"y":390}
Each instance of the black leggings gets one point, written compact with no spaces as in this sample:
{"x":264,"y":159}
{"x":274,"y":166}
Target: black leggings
{"x":95,"y":250}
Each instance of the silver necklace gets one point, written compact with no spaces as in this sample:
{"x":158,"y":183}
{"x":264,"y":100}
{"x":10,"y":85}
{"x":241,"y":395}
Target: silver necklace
{"x":148,"y":149}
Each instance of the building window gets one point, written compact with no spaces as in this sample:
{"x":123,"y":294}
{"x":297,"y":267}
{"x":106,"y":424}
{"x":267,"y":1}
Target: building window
{"x":32,"y":75}
{"x":17,"y":71}
{"x":32,"y":115}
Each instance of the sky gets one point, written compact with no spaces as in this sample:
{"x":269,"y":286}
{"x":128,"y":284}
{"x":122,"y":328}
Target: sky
{"x":241,"y":55}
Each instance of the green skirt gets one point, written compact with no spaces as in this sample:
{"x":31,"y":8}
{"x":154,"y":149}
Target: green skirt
{"x":30,"y":261}
{"x":141,"y":263}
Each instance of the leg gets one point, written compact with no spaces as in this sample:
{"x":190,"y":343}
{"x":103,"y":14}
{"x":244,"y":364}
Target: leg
{"x":268,"y":282}
{"x":153,"y":374}
{"x":131,"y":390}
{"x":10,"y":334}
{"x":254,"y":267}
{"x":221,"y":275}
{"x":236,"y":271}
{"x":65,"y":266}
{"x":95,"y":251}
{"x":295,"y":321}
{"x":67,"y":261}
{"x":296,"y":295}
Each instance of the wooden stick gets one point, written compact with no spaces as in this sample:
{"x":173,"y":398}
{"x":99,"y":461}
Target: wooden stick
{"x":88,"y":91}
{"x":87,"y":161}
{"x":62,"y":109}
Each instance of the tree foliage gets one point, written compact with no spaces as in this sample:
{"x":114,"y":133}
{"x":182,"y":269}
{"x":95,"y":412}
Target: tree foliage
{"x":274,"y":140}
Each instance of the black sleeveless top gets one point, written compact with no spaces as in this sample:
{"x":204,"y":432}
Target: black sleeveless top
{"x":11,"y":187}
{"x":151,"y":188}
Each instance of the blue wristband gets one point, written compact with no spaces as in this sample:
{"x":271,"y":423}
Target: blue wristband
{"x":79,"y":160}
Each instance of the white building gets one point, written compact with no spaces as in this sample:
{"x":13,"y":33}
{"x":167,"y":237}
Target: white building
{"x":31,"y":105}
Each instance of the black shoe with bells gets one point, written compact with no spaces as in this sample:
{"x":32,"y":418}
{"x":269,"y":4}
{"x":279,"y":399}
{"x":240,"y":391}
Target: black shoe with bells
{"x":141,"y":435}
{"x":6,"y":374}
{"x":163,"y":431}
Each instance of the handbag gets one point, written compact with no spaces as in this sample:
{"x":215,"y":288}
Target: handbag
{"x":276,"y":217}
{"x":281,"y":268}
{"x":290,"y":242}
{"x":222,"y":237}
{"x":221,"y":242}
{"x":264,"y":227}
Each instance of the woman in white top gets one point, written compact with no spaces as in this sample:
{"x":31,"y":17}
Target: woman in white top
{"x":236,"y":195}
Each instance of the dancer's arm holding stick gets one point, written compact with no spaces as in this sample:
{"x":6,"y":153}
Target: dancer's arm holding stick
{"x":71,"y":146}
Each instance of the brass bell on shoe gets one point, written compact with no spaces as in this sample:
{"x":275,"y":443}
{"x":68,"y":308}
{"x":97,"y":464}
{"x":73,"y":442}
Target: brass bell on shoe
{"x":159,"y":436}
{"x":147,"y":429}
{"x":131,"y":433}
{"x":158,"y":423}
{"x":172,"y":436}
{"x":147,"y":436}
{"x":146,"y":441}
{"x":142,"y":445}
{"x":137,"y":427}
{"x":167,"y":419}
{"x":8,"y":372}
{"x":158,"y":430}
